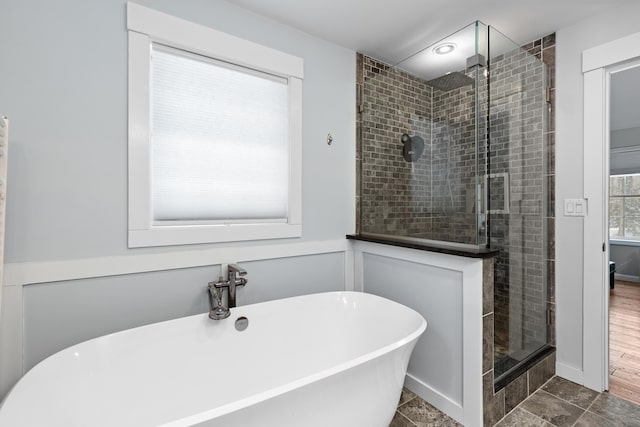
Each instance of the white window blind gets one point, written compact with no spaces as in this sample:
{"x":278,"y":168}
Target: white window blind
{"x":219,"y":141}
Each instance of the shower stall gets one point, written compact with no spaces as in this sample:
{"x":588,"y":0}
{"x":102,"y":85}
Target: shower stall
{"x":452,"y":152}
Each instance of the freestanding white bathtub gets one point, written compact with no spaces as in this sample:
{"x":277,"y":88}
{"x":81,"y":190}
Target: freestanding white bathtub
{"x":331,"y":359}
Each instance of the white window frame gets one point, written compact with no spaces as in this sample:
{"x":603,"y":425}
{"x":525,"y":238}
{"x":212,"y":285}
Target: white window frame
{"x":147,"y":26}
{"x":617,"y":239}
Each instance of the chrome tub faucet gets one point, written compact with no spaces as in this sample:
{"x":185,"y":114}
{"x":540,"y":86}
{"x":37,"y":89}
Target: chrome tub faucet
{"x":235,"y":275}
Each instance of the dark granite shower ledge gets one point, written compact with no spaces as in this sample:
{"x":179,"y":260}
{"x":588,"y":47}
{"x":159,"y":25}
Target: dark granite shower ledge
{"x":442,"y":248}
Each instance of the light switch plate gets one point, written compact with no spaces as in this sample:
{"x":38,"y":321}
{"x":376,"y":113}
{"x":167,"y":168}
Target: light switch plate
{"x":575,"y":207}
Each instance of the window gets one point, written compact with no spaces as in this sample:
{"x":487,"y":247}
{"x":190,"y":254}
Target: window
{"x":624,"y":207}
{"x":214,"y":135}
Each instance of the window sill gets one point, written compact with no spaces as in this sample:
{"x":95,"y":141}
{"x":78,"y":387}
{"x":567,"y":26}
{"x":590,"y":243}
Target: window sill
{"x":195,"y":234}
{"x":624,"y":242}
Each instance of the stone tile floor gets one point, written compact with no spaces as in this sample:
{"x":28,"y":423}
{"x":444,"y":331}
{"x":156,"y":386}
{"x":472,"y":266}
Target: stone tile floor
{"x":558,"y":402}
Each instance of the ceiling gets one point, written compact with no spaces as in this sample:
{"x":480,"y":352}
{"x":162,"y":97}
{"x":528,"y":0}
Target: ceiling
{"x":392,"y":30}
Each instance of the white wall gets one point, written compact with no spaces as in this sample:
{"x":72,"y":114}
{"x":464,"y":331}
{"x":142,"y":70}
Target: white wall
{"x":63,"y":82}
{"x":627,"y":259}
{"x":64,"y":88}
{"x":570,"y":42}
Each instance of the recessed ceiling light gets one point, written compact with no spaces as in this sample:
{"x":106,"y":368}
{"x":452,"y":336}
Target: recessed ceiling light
{"x":444,"y":48}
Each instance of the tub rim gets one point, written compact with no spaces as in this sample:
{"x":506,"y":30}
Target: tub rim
{"x":256,"y":398}
{"x":309,"y":379}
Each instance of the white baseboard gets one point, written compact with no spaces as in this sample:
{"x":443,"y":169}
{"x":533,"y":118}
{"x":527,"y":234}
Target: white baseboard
{"x":435,"y":398}
{"x":570,"y":373}
{"x":627,"y":278}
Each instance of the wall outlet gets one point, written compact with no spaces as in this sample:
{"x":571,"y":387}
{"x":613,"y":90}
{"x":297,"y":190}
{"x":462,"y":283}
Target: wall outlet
{"x":575,"y":207}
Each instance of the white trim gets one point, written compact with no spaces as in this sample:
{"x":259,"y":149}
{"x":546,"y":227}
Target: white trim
{"x":624,"y":242}
{"x":611,"y":53}
{"x":569,"y":372}
{"x":295,"y":151}
{"x":139,"y":159}
{"x":147,"y":26}
{"x":349,"y":280}
{"x":598,"y":64}
{"x":595,"y":250}
{"x":358,"y":269}
{"x":625,"y":150}
{"x":470,"y":412}
{"x":20,"y":274}
{"x":472,"y":343}
{"x":209,"y":42}
{"x":627,"y":278}
{"x":193,"y":234}
{"x":11,"y":330}
{"x":435,"y":398}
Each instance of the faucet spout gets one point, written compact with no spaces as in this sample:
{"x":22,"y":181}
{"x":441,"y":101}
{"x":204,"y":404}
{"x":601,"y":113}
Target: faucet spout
{"x":237,"y":269}
{"x":234,"y":270}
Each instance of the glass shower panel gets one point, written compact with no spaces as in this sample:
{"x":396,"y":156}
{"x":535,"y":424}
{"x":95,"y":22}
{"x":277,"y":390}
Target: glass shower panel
{"x":516,"y":197}
{"x":418,"y":153}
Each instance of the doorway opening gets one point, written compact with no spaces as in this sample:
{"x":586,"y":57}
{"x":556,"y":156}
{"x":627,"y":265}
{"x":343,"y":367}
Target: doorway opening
{"x":624,"y":232}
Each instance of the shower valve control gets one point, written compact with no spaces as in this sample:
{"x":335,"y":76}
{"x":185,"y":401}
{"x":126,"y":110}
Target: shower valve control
{"x":575,"y":207}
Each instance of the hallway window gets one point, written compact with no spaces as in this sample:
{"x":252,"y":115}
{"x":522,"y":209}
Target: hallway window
{"x":624,"y":207}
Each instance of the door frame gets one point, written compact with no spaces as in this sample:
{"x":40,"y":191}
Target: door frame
{"x":598,"y":64}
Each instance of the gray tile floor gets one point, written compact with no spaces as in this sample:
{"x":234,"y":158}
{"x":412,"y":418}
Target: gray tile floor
{"x":413,"y":411}
{"x":558,"y":402}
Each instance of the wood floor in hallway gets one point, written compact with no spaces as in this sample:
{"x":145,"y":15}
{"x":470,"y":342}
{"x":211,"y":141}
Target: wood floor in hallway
{"x":624,"y":341}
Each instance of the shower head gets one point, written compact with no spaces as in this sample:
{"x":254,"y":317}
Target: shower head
{"x":451,"y":81}
{"x":412,"y":147}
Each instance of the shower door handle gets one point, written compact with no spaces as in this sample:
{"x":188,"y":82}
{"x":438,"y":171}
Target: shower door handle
{"x":506,"y":193}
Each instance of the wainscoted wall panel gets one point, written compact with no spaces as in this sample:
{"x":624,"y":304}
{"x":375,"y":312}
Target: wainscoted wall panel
{"x":60,"y":314}
{"x":436,"y":292}
{"x":446,"y":365}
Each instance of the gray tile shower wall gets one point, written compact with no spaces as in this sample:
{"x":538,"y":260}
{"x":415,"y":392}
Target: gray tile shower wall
{"x":433,"y":197}
{"x":455,"y":165}
{"x":393,"y":197}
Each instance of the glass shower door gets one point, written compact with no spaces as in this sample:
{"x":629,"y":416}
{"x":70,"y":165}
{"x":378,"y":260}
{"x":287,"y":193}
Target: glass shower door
{"x":517,"y":200}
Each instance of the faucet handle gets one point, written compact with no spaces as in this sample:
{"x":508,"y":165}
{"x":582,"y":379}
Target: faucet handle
{"x":221,"y":283}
